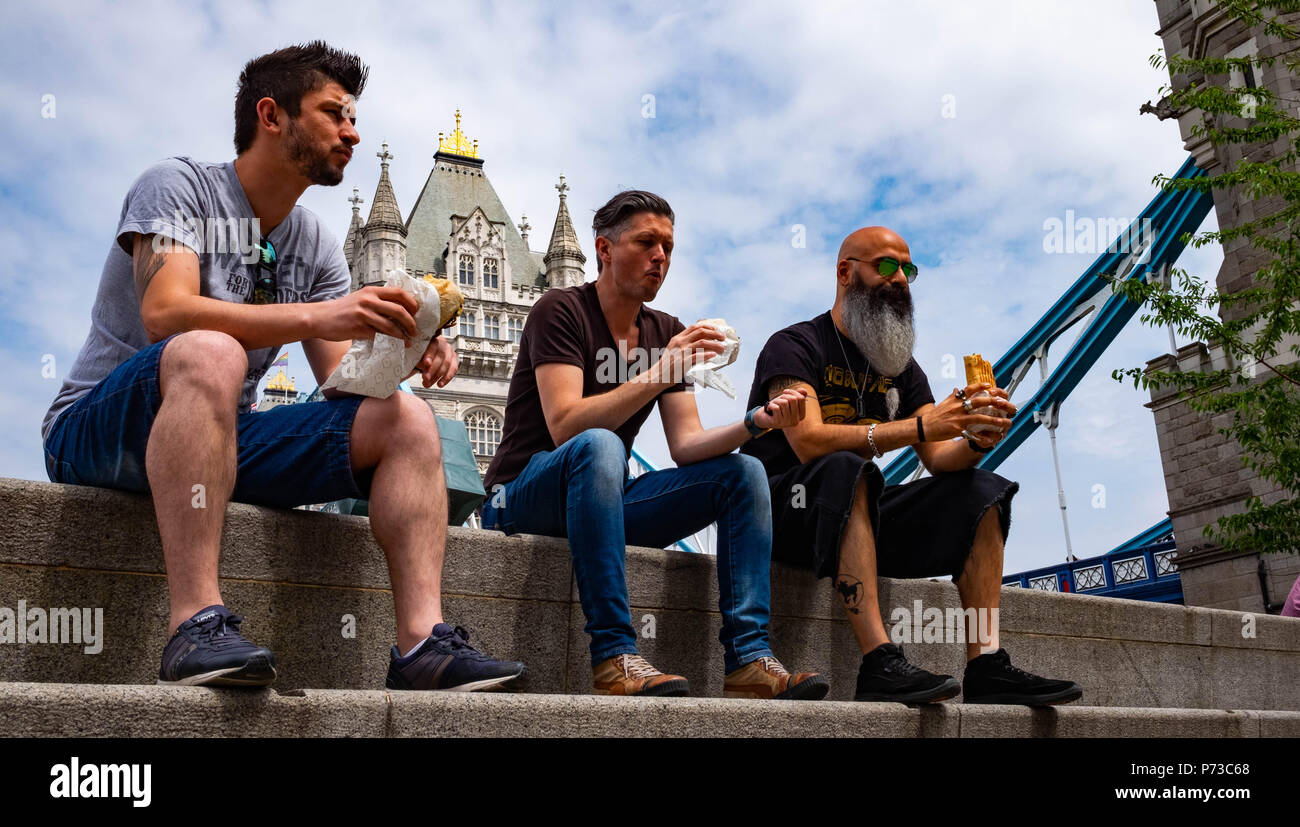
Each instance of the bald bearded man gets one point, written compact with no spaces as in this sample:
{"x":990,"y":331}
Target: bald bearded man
{"x":831,"y":511}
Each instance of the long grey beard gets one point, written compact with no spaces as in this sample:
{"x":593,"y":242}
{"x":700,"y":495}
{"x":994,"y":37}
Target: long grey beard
{"x":885,"y":335}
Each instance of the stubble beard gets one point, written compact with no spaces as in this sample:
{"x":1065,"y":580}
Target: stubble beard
{"x":312,"y":165}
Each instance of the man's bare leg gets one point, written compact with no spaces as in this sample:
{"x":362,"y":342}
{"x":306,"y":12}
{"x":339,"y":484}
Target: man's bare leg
{"x":398,"y":437}
{"x":856,"y":579}
{"x":193,"y":443}
{"x":980,"y":584}
{"x":993,"y":679}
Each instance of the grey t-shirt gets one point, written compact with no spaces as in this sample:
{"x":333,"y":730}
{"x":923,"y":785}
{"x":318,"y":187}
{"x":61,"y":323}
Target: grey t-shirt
{"x":203,"y":206}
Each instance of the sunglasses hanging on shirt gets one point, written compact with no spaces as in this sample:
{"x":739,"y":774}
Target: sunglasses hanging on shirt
{"x":264,"y":288}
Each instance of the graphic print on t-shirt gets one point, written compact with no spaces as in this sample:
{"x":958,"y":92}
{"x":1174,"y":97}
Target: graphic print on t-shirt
{"x":838,"y":395}
{"x":836,"y":370}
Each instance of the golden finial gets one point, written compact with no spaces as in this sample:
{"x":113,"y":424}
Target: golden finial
{"x":458,"y":144}
{"x":280,"y":382}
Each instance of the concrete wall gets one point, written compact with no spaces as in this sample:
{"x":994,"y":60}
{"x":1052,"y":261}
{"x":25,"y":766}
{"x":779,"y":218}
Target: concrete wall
{"x":295,"y":574}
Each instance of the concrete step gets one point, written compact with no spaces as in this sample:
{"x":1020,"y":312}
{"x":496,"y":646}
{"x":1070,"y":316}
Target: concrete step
{"x":41,"y":710}
{"x":298,"y":576}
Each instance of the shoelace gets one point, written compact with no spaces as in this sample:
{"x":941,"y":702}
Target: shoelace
{"x":899,"y":665}
{"x":458,"y":641}
{"x":635,"y":666}
{"x":221,"y":632}
{"x":1003,"y":663}
{"x":774,"y":666}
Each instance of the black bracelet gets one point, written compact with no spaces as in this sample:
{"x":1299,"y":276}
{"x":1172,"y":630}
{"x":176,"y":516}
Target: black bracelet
{"x":975,"y":446}
{"x":920,"y":430}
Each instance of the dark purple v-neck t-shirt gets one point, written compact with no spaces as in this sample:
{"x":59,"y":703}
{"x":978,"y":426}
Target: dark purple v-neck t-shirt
{"x":567,"y":326}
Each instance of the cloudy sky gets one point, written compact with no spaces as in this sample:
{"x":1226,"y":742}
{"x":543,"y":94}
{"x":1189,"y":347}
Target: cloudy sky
{"x":963,"y":125}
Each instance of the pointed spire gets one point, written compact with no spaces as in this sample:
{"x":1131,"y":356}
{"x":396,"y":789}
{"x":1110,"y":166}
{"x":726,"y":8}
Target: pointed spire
{"x":354,"y":229}
{"x":384,"y":213}
{"x":564,"y":241}
{"x":564,"y":258}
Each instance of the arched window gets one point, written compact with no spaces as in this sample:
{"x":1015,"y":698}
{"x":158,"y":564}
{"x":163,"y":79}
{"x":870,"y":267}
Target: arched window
{"x":466,"y":269}
{"x":467,"y":321}
{"x":484,"y":432}
{"x":490,"y":272}
{"x":491,"y":327}
{"x":516,"y":328}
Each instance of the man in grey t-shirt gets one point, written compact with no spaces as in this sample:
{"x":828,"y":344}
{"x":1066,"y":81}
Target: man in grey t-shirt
{"x":202,"y":207}
{"x":213,"y":268}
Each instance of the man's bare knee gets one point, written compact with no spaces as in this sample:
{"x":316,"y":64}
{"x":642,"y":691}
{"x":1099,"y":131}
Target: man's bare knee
{"x":212,"y":361}
{"x":416,"y":421}
{"x":403,"y":421}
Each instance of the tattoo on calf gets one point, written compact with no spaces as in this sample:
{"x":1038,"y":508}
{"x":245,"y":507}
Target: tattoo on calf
{"x":850,"y":589}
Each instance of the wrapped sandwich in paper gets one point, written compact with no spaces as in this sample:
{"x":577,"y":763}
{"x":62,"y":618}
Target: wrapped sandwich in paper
{"x":375,"y":367}
{"x":978,"y":369}
{"x":706,"y":373}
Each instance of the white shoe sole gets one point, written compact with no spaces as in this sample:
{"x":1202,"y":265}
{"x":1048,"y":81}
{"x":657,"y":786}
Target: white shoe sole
{"x":475,"y":686}
{"x":217,"y":678}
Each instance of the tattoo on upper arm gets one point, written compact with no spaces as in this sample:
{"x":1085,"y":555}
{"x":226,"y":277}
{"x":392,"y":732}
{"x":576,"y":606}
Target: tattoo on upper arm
{"x":148,"y":262}
{"x":781,"y":383}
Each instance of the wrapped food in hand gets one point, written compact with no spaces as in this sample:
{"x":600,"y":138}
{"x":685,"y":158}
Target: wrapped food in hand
{"x":376,"y":366}
{"x":706,"y":373}
{"x":978,"y":369}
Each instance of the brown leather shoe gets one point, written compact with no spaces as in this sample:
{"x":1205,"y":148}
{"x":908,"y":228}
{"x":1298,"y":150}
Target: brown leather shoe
{"x":632,"y":675}
{"x":767,"y":679}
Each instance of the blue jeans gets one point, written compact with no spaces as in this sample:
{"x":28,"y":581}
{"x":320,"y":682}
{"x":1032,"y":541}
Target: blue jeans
{"x":582,"y":491}
{"x":287,"y":456}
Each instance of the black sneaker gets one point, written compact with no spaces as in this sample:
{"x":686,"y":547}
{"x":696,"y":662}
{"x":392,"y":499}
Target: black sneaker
{"x":885,"y":675}
{"x":208,"y":650}
{"x":447,"y":661}
{"x":991,"y":679}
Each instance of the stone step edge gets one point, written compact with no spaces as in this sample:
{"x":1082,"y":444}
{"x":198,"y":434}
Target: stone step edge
{"x":107,"y":710}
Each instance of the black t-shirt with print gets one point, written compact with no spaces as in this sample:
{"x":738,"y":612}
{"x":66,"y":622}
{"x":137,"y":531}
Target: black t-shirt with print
{"x":808,"y":351}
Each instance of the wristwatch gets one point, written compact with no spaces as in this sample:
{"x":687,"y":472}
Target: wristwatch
{"x":754,"y":430}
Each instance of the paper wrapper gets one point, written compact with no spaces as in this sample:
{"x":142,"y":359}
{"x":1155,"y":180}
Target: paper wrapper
{"x":375,"y":367}
{"x":706,"y":373}
{"x":978,"y":369}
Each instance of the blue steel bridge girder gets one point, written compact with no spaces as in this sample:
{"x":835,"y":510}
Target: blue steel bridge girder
{"x":1171,"y":215}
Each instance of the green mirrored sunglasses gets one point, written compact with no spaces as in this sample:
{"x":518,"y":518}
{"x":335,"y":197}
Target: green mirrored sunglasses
{"x":887,"y":266}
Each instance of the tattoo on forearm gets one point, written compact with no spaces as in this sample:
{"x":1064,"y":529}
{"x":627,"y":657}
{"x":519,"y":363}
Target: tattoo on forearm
{"x":850,"y":589}
{"x":781,"y":383}
{"x":146,"y":267}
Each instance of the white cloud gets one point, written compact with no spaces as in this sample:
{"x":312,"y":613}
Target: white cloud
{"x":828,"y":115}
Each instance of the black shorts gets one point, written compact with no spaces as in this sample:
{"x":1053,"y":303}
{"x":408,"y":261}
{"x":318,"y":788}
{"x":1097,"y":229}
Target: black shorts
{"x":923,"y":528}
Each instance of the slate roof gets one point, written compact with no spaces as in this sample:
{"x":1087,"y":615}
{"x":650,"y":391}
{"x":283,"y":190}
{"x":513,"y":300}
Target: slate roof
{"x":455,"y":186}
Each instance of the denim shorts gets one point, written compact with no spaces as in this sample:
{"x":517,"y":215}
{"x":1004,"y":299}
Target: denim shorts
{"x":290,"y":455}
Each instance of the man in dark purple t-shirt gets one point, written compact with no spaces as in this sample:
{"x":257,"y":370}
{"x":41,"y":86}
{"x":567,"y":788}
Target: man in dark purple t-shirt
{"x":593,"y":361}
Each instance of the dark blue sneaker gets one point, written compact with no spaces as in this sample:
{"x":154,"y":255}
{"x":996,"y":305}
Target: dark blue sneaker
{"x":447,"y":661}
{"x":208,"y":650}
